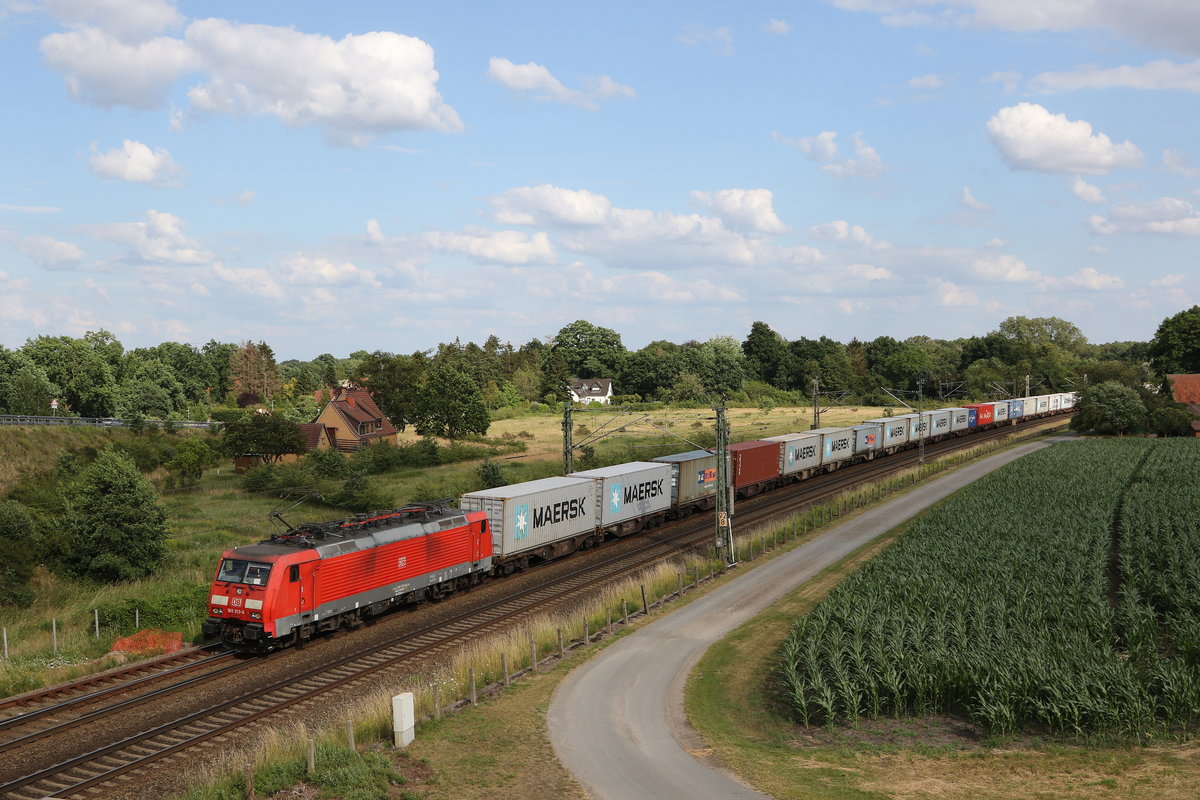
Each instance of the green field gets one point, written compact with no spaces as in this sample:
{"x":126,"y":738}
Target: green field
{"x":1058,"y":595}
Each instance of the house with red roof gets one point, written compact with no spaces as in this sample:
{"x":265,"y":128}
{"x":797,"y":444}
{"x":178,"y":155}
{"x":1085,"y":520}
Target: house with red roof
{"x":1186,"y":389}
{"x":353,"y":420}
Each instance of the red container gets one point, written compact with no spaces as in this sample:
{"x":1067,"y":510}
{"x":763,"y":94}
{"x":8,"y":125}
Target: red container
{"x":984,"y":413}
{"x":754,"y":462}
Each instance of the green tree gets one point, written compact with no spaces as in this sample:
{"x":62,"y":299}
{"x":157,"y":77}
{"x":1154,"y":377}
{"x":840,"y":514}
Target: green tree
{"x":219,"y":357}
{"x":764,"y":350}
{"x":1171,"y":421}
{"x":24,"y":386}
{"x":1175,"y":348}
{"x":451,"y":405}
{"x":80,"y":369}
{"x":253,"y":370}
{"x":192,"y":456}
{"x":265,"y":435}
{"x":18,"y":553}
{"x":588,"y":350}
{"x":114,"y":527}
{"x":394,"y":382}
{"x":1109,"y":407}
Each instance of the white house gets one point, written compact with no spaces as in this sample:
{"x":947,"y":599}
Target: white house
{"x":591,"y":390}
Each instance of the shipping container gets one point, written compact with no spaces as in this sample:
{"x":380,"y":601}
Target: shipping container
{"x":1041,"y":403}
{"x":754,"y":464}
{"x":798,"y":452}
{"x":1000,"y":411}
{"x":960,"y":418}
{"x":868,"y":439}
{"x":1055,"y":402}
{"x":530,"y":515}
{"x":895,"y":430}
{"x":972,"y":416}
{"x":1016,"y":409}
{"x":693,"y":477}
{"x":984,"y":413}
{"x":1068,"y":400}
{"x":625,"y":492}
{"x":837,"y":445}
{"x":939,"y":422}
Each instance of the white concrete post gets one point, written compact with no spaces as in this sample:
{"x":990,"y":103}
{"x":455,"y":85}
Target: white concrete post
{"x":404,"y":721}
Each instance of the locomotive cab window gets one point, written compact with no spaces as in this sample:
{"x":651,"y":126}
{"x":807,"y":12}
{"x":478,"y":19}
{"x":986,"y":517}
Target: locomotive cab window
{"x":235,"y":570}
{"x":294,"y":573}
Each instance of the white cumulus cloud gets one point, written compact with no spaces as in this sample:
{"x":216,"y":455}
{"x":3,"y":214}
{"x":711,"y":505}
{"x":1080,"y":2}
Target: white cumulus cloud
{"x":716,"y":40}
{"x":49,"y":253}
{"x":1161,"y":75}
{"x":778,"y":27}
{"x":136,"y":163}
{"x":537,"y":81}
{"x":306,"y":270}
{"x":744,"y":209}
{"x":951,"y":295}
{"x":552,"y":206}
{"x":1087,"y":192}
{"x":968,"y":200}
{"x":839,"y":230}
{"x":494,"y":247}
{"x":1170,"y":216}
{"x":158,"y":240}
{"x":824,"y":149}
{"x":1030,"y":137}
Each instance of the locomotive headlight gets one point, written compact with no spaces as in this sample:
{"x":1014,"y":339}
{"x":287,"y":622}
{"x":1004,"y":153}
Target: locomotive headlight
{"x":218,"y":611}
{"x":255,"y":615}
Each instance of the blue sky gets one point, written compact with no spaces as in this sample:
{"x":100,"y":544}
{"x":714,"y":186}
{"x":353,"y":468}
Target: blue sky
{"x":334,"y":177}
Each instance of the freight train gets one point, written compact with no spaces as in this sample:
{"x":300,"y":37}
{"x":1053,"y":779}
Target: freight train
{"x":323,"y":576}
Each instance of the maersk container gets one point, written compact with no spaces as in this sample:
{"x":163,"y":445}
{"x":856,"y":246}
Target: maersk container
{"x":837,"y":444}
{"x":868,"y":439}
{"x":960,"y":419}
{"x":1055,"y":402}
{"x":1000,"y":411}
{"x":939,"y":422}
{"x":798,"y":452}
{"x":626,"y":491}
{"x":535,"y":513}
{"x":754,"y":462}
{"x":1016,"y":409}
{"x":895,"y":430}
{"x":1068,"y":400}
{"x":918,"y":426}
{"x":693,"y":475}
{"x":972,"y":416}
{"x":1041,"y":403}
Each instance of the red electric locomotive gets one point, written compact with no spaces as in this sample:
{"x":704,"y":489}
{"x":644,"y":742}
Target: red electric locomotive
{"x":321,"y":576}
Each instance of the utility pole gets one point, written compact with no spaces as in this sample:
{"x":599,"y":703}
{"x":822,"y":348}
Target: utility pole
{"x":920,"y":421}
{"x":724,"y":518}
{"x":816,"y":423}
{"x":568,"y":445}
{"x":1027,"y":386}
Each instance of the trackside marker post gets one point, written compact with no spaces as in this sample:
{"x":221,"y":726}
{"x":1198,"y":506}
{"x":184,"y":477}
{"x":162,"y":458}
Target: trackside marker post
{"x":404,"y":721}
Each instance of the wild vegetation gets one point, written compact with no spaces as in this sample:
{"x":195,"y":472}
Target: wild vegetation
{"x":1071,"y":612}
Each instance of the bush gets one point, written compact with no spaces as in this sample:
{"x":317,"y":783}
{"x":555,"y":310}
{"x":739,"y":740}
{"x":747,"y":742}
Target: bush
{"x":358,"y":495}
{"x":171,"y":611}
{"x":328,"y":463}
{"x":259,"y":479}
{"x":491,"y":475}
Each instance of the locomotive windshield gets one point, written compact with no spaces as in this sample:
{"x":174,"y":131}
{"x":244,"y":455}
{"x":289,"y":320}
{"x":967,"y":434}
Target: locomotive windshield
{"x":235,"y":570}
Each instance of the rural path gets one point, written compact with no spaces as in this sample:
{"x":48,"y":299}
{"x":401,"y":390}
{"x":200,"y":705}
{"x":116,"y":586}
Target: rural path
{"x":618,"y":723}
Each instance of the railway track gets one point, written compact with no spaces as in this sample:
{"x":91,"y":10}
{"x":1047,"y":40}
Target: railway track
{"x":111,"y":769}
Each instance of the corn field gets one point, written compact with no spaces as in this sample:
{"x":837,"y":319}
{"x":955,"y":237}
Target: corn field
{"x":1059,"y":594}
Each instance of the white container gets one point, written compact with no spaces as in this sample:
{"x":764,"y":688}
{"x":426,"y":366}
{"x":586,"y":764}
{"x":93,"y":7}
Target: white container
{"x":626,"y":491}
{"x":535,"y":513}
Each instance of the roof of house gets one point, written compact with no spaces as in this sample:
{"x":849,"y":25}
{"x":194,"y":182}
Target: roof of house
{"x":311,"y":431}
{"x":1185,"y":388}
{"x":591,"y":387}
{"x":356,"y":406}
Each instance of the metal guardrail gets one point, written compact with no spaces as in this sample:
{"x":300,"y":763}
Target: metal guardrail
{"x":100,"y":422}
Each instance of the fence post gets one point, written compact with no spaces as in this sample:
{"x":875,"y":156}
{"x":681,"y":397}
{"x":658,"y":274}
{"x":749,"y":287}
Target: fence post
{"x":504,"y":666}
{"x":608,"y":623}
{"x":137,"y":619}
{"x":437,"y":701}
{"x":6,"y":644}
{"x":249,"y":783}
{"x":532,"y":656}
{"x":312,"y":756}
{"x":561,"y":652}
{"x":350,"y":734}
{"x":679,"y":575}
{"x":471,"y":672}
{"x":624,"y":620}
{"x":645,"y":605}
{"x":54,"y":634}
{"x":587,"y":632}
{"x":96,"y":621}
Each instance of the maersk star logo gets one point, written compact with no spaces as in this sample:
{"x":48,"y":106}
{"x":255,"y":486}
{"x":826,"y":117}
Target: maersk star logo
{"x":614,"y":502}
{"x":521,"y":521}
